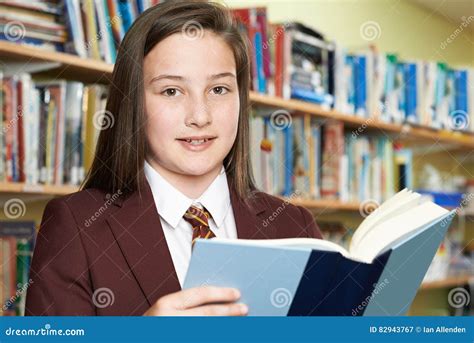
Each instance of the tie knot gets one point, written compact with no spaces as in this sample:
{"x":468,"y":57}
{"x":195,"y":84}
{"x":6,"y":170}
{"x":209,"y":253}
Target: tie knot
{"x":197,"y":216}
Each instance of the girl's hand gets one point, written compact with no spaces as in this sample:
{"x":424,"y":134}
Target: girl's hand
{"x":199,"y":301}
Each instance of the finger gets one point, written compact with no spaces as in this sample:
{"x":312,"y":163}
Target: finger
{"x":218,"y":310}
{"x":197,"y":296}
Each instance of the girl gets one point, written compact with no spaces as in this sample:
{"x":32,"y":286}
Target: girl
{"x":172,"y":166}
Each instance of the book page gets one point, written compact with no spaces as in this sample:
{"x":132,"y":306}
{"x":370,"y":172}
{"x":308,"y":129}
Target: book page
{"x":403,"y":203}
{"x":302,"y":243}
{"x":390,"y":231}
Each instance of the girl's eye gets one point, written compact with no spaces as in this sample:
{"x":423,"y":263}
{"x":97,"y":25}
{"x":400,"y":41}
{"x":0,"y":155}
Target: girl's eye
{"x":219,"y":90}
{"x":170,"y":92}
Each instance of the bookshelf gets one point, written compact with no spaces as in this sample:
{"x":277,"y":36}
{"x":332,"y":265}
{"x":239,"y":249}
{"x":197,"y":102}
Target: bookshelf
{"x":63,"y":65}
{"x":94,"y":71}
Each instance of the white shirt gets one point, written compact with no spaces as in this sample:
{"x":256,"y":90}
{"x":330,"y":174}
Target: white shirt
{"x":171,"y":205}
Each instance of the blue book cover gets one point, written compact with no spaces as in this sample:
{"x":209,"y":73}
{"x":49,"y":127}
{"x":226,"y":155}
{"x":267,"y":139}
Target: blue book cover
{"x":308,"y":95}
{"x":461,"y":90}
{"x":360,"y":85}
{"x":125,"y":9}
{"x":401,"y":86}
{"x":351,"y":83}
{"x":410,"y":92}
{"x":140,"y":6}
{"x":304,"y":277}
{"x":262,"y":87}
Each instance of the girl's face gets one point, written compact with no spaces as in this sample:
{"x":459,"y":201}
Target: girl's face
{"x":191,"y":103}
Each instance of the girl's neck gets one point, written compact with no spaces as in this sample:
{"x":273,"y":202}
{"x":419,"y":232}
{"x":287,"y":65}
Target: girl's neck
{"x":192,"y":186}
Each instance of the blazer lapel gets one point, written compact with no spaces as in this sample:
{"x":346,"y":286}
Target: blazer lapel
{"x":249,"y":217}
{"x":137,"y":229}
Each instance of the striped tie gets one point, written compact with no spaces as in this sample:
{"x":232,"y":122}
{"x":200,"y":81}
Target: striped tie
{"x":198,"y":218}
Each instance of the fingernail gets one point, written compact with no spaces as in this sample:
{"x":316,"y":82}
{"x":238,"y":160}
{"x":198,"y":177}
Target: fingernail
{"x":236,"y":293}
{"x":243,"y":308}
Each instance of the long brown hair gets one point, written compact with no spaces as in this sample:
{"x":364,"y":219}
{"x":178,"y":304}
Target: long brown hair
{"x":121,"y":147}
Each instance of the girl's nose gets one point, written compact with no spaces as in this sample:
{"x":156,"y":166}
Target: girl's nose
{"x":199,"y":113}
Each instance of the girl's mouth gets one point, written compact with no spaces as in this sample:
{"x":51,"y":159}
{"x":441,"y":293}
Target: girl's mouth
{"x":196,"y":144}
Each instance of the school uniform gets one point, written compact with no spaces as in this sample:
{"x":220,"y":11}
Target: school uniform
{"x":111,"y":254}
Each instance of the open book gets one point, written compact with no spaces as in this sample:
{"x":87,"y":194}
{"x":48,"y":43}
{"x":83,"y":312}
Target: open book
{"x":379,"y":274}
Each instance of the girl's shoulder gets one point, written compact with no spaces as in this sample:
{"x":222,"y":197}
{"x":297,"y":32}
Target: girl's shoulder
{"x":86,"y":206}
{"x":278,"y":204}
{"x":285,"y":217}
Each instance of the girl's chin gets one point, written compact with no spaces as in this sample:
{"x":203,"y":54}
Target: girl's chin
{"x":196,"y":170}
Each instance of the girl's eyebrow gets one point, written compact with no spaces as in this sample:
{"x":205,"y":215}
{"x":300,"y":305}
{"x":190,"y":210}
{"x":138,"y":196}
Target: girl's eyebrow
{"x":181,"y":78}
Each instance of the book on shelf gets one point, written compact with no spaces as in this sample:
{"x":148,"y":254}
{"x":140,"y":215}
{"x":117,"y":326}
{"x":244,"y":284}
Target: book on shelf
{"x":33,"y":23}
{"x":50,"y":128}
{"x":289,"y":60}
{"x":294,"y":61}
{"x":315,"y":158}
{"x":451,"y":259}
{"x":89,"y":29}
{"x":16,"y":246}
{"x":379,"y":274}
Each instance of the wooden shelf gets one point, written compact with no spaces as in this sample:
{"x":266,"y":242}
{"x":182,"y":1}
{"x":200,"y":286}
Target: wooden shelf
{"x":402,"y":131}
{"x":448,"y":282}
{"x":23,"y":188}
{"x":324,"y":204}
{"x":67,"y":66}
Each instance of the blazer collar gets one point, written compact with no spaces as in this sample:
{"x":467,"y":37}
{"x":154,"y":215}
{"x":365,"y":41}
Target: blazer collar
{"x":137,"y":229}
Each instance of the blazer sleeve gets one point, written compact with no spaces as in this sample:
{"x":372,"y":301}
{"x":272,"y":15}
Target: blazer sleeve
{"x":312,"y":228}
{"x":59,"y":274}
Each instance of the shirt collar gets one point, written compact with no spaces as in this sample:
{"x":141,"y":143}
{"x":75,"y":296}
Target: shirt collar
{"x":172,"y":204}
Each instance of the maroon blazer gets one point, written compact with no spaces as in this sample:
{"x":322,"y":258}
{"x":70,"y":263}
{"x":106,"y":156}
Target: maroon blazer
{"x":88,"y":243}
